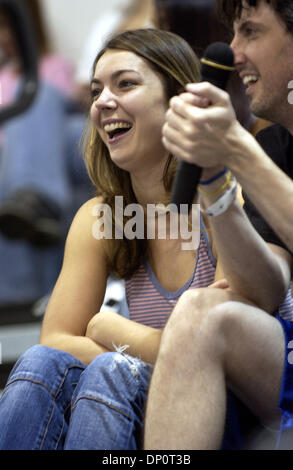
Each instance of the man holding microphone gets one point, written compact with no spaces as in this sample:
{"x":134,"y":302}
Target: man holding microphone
{"x":231,"y":336}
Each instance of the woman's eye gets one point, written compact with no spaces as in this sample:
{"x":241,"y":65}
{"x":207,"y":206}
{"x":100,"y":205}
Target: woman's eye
{"x":95,"y":93}
{"x":126,"y":84}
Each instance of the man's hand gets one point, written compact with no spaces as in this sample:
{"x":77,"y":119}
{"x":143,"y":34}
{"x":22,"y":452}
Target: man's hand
{"x":201,"y":126}
{"x":220,"y":284}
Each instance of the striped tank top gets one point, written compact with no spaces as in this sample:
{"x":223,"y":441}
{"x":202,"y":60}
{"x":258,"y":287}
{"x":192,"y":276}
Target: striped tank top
{"x":150,"y":303}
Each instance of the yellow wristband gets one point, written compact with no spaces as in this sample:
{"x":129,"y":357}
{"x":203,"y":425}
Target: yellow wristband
{"x":216,"y":193}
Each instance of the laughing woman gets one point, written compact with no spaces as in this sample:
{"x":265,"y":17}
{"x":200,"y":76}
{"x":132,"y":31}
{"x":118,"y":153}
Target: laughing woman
{"x":84,"y":386}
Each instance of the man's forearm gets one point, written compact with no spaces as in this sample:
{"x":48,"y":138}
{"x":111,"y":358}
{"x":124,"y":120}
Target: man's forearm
{"x":269,"y":188}
{"x":249,"y":265}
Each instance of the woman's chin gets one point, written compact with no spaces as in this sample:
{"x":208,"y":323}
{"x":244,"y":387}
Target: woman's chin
{"x":124,"y":163}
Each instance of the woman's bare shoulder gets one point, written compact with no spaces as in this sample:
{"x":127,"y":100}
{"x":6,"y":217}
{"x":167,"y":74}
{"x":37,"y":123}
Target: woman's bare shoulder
{"x":82,"y":230}
{"x":88,"y":207}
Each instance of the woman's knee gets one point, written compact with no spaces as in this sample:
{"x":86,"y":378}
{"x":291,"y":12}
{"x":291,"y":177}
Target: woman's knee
{"x":35,"y":358}
{"x":42,"y":361}
{"x":112,"y":377}
{"x":112,"y":365}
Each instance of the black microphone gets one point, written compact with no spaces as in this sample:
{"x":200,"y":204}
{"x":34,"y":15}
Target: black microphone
{"x":216,"y":66}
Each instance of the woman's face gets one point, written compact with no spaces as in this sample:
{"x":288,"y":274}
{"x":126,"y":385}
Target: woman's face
{"x":128,"y":109}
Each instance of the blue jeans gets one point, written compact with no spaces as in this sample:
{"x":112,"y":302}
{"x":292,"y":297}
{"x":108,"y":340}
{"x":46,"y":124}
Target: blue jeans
{"x":53,"y":401}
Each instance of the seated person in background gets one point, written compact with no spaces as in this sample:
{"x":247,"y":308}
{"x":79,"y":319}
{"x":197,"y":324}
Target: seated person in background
{"x":214,"y":340}
{"x":42,"y":176}
{"x":25,"y":161}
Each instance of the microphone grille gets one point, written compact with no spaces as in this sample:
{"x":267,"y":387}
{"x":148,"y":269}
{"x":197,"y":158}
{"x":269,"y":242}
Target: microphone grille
{"x":220,"y":53}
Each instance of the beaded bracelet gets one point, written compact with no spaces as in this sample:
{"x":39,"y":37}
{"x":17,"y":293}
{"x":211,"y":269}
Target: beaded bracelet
{"x":216,"y":193}
{"x":214,"y":178}
{"x":224,"y":202}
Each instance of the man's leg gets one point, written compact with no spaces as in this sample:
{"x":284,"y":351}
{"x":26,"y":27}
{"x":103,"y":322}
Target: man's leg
{"x":212,"y":341}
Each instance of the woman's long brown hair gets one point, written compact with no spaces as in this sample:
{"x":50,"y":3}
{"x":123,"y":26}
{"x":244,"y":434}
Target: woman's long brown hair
{"x":170,"y":56}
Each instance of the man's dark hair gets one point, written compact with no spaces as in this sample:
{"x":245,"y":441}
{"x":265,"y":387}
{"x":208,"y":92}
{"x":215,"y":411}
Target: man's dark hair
{"x":231,"y":10}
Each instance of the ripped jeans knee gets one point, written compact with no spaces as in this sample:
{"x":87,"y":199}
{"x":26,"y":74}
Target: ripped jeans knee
{"x":116,"y":376}
{"x":109,"y":401}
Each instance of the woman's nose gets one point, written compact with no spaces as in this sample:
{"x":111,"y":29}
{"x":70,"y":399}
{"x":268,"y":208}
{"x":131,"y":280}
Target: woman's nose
{"x":106,"y":99}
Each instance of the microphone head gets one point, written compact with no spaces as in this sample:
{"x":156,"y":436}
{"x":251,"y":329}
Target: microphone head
{"x":217,"y":64}
{"x":220,"y":53}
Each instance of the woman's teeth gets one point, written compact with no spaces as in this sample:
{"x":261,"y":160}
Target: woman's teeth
{"x":116,"y":127}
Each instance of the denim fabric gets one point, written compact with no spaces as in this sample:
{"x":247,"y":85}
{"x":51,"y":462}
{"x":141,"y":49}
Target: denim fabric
{"x":35,"y":404}
{"x":285,"y":437}
{"x":108,"y":404}
{"x":53,"y":401}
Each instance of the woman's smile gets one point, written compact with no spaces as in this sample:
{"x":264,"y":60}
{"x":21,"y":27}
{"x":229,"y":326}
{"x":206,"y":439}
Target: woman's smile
{"x":116,"y":130}
{"x":129,"y":106}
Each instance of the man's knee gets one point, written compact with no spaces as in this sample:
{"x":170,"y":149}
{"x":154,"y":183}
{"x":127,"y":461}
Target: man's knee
{"x":191,"y":309}
{"x":199,"y":320}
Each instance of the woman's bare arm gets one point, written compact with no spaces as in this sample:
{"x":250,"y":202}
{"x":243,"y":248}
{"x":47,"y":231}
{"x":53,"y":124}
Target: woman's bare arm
{"x":79,"y":291}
